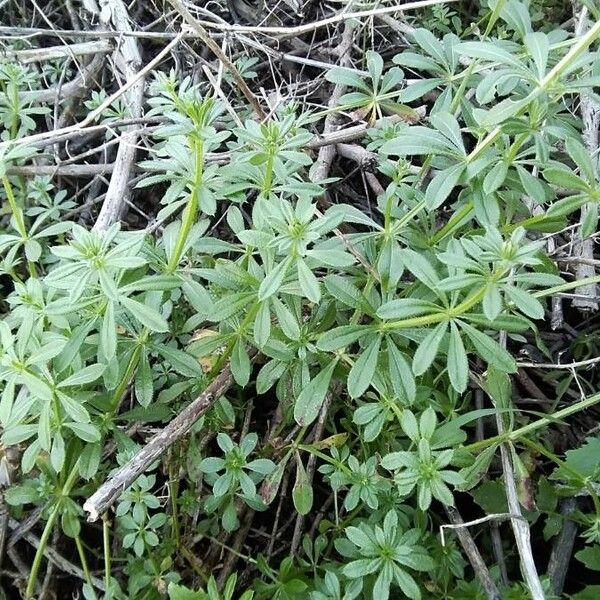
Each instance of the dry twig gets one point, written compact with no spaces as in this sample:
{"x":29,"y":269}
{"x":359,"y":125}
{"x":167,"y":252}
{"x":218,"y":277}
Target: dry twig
{"x":111,"y":489}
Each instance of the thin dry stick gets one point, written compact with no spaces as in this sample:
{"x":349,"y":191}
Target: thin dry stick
{"x":112,"y":489}
{"x":310,"y":470}
{"x":562,"y":549}
{"x":233,"y":554}
{"x":590,"y":114}
{"x":57,"y":559}
{"x":73,"y":88}
{"x":473,"y":554}
{"x":64,"y":170}
{"x":216,"y":50}
{"x":130,"y":57}
{"x":338,"y":18}
{"x":573,"y":365}
{"x":496,"y":517}
{"x":519,"y":525}
{"x":32,"y":55}
{"x":77,"y":128}
{"x":494,"y":529}
{"x":320,"y":170}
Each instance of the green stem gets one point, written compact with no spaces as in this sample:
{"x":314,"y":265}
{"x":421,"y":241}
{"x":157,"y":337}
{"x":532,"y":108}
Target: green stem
{"x":84,"y":565}
{"x":16,"y":106}
{"x":106,"y":548}
{"x":453,"y":222}
{"x":173,"y":493}
{"x":438,"y":317}
{"x":328,"y":459}
{"x":268,"y":177}
{"x":14,"y":207}
{"x":19,"y":219}
{"x":564,"y":287}
{"x":516,"y":434}
{"x":568,"y":469}
{"x":37,"y":560}
{"x":120,"y":390}
{"x":190,"y":211}
{"x":563,"y":64}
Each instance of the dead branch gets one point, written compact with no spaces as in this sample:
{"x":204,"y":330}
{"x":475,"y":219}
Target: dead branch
{"x":111,"y":489}
{"x":321,"y":167}
{"x":473,"y":554}
{"x":562,"y":548}
{"x":57,"y":559}
{"x":129,"y":57}
{"x":32,"y":55}
{"x":584,"y":248}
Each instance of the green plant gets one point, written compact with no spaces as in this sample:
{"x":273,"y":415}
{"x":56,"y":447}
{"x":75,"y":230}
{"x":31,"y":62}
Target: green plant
{"x":354,"y":355}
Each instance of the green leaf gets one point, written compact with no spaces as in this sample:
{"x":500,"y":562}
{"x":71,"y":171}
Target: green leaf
{"x":584,"y":460}
{"x":525,"y":302}
{"x":240,"y":364}
{"x":566,"y":206}
{"x":564,"y":177}
{"x":492,"y":301}
{"x":181,"y":361}
{"x":403,"y":381}
{"x":424,"y":38}
{"x":85,"y":431}
{"x":488,"y":51}
{"x":495,"y":177}
{"x":448,"y":126}
{"x":273,"y":280}
{"x":83,"y":376}
{"x":363,"y":370}
{"x":458,"y":365}
{"x":180,"y":592}
{"x":489,"y":350}
{"x":402,"y":308}
{"x":302,"y":492}
{"x":287,"y":321}
{"x":311,"y":397}
{"x":538,"y":46}
{"x":146,"y":315}
{"x":272,"y":481}
{"x":343,"y":290}
{"x":74,"y":409}
{"x":417,"y":141}
{"x":309,"y":284}
{"x":143,"y":384}
{"x":532,"y":185}
{"x":262,"y":324}
{"x":340,"y":337}
{"x":198,"y":297}
{"x":501,"y":112}
{"x":581,"y":157}
{"x":590,"y":557}
{"x":421,"y":268}
{"x":108,"y":333}
{"x":474,"y":473}
{"x":497,"y":385}
{"x":428,"y":349}
{"x":345,"y":77}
